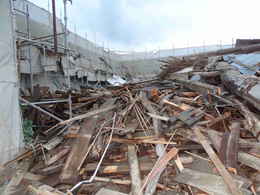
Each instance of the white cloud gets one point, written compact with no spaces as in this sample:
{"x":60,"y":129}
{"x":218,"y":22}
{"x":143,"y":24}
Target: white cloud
{"x":150,"y":24}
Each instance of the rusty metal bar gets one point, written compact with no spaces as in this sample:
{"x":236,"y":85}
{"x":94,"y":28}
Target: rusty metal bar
{"x":54,"y":26}
{"x":42,"y":110}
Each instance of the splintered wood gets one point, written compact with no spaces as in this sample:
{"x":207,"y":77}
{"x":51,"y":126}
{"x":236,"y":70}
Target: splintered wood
{"x":220,"y":167}
{"x":79,"y":148}
{"x":189,"y":132}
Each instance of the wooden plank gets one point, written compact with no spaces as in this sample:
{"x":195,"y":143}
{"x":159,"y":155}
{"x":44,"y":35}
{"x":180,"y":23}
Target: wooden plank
{"x":143,"y":141}
{"x":118,"y":167}
{"x":79,"y":148}
{"x":50,"y":170}
{"x":253,"y":123}
{"x":212,"y":184}
{"x":13,"y":185}
{"x":153,"y":177}
{"x":101,"y":117}
{"x":159,"y":147}
{"x":244,"y":86}
{"x":220,"y":167}
{"x":57,"y":156}
{"x":88,"y":115}
{"x":245,"y":158}
{"x":136,"y":183}
{"x":105,"y":191}
{"x":199,"y":86}
{"x":232,"y":145}
{"x":42,"y":190}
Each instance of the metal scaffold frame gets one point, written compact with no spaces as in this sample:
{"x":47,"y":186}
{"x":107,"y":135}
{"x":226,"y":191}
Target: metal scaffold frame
{"x":44,"y":44}
{"x":66,"y":53}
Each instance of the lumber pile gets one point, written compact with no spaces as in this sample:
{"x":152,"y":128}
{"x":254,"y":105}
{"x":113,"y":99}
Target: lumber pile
{"x":174,"y":134}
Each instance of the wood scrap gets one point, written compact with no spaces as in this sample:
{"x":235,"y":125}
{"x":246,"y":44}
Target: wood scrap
{"x":229,"y":146}
{"x":209,"y":183}
{"x":159,"y":167}
{"x":79,"y":148}
{"x":220,"y":167}
{"x":153,"y":117}
{"x":134,"y":169}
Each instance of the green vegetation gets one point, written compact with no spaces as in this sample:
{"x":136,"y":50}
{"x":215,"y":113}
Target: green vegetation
{"x":28,"y":131}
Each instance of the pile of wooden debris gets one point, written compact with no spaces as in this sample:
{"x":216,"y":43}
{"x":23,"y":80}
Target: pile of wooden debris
{"x":194,"y":133}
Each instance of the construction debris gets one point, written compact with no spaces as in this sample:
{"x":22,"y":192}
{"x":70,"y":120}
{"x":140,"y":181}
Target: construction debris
{"x":186,"y":132}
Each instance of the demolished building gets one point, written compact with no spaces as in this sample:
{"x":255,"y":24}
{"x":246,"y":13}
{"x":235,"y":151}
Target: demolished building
{"x":35,"y":43}
{"x":194,"y":129}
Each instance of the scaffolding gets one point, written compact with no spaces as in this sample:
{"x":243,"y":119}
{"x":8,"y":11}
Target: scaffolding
{"x":44,"y":43}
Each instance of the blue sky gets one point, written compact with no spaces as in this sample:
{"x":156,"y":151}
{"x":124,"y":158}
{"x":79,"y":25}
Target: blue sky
{"x":153,"y":24}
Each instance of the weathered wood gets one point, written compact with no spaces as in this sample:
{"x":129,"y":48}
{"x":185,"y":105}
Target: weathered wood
{"x":144,"y":166}
{"x":101,"y":117}
{"x":118,"y":168}
{"x":152,"y":178}
{"x":105,"y":191}
{"x":124,"y":182}
{"x":134,"y":169}
{"x":24,"y":155}
{"x":50,"y":170}
{"x":88,"y":115}
{"x":43,"y":190}
{"x":14,"y":183}
{"x":220,"y":167}
{"x":244,"y":158}
{"x":199,"y":86}
{"x":249,"y":160}
{"x":191,"y":136}
{"x":33,"y":177}
{"x":57,"y":156}
{"x":229,"y":146}
{"x":253,"y":123}
{"x":244,"y":86}
{"x":209,"y":183}
{"x":79,"y":148}
{"x":159,"y":147}
{"x":143,"y":141}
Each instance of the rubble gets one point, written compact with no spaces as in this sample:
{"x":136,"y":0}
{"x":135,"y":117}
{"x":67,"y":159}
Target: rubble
{"x":147,"y":137}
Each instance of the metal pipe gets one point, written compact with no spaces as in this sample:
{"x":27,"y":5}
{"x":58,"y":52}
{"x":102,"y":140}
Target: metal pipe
{"x":47,"y":36}
{"x":44,"y":56}
{"x":66,"y":54}
{"x":47,"y":102}
{"x":29,"y":49}
{"x":17,"y":31}
{"x":54,"y":26}
{"x":43,"y":43}
{"x":20,"y":11}
{"x":40,"y":109}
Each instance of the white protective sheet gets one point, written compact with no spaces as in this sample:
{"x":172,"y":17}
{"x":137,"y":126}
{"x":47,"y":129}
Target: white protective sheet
{"x":11,"y":138}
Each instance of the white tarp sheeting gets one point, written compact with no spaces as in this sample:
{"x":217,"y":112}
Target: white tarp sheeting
{"x":116,"y":80}
{"x":10,"y":119}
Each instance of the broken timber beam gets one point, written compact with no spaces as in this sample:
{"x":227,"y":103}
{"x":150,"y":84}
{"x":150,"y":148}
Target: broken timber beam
{"x":244,"y":86}
{"x":159,"y":147}
{"x":253,"y":123}
{"x":210,"y":183}
{"x":243,"y":157}
{"x":199,"y":86}
{"x":220,"y":167}
{"x":134,"y":169}
{"x":88,"y":115}
{"x":79,"y":148}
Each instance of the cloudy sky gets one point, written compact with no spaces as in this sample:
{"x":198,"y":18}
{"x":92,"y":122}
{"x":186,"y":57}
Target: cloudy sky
{"x":152,"y":24}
